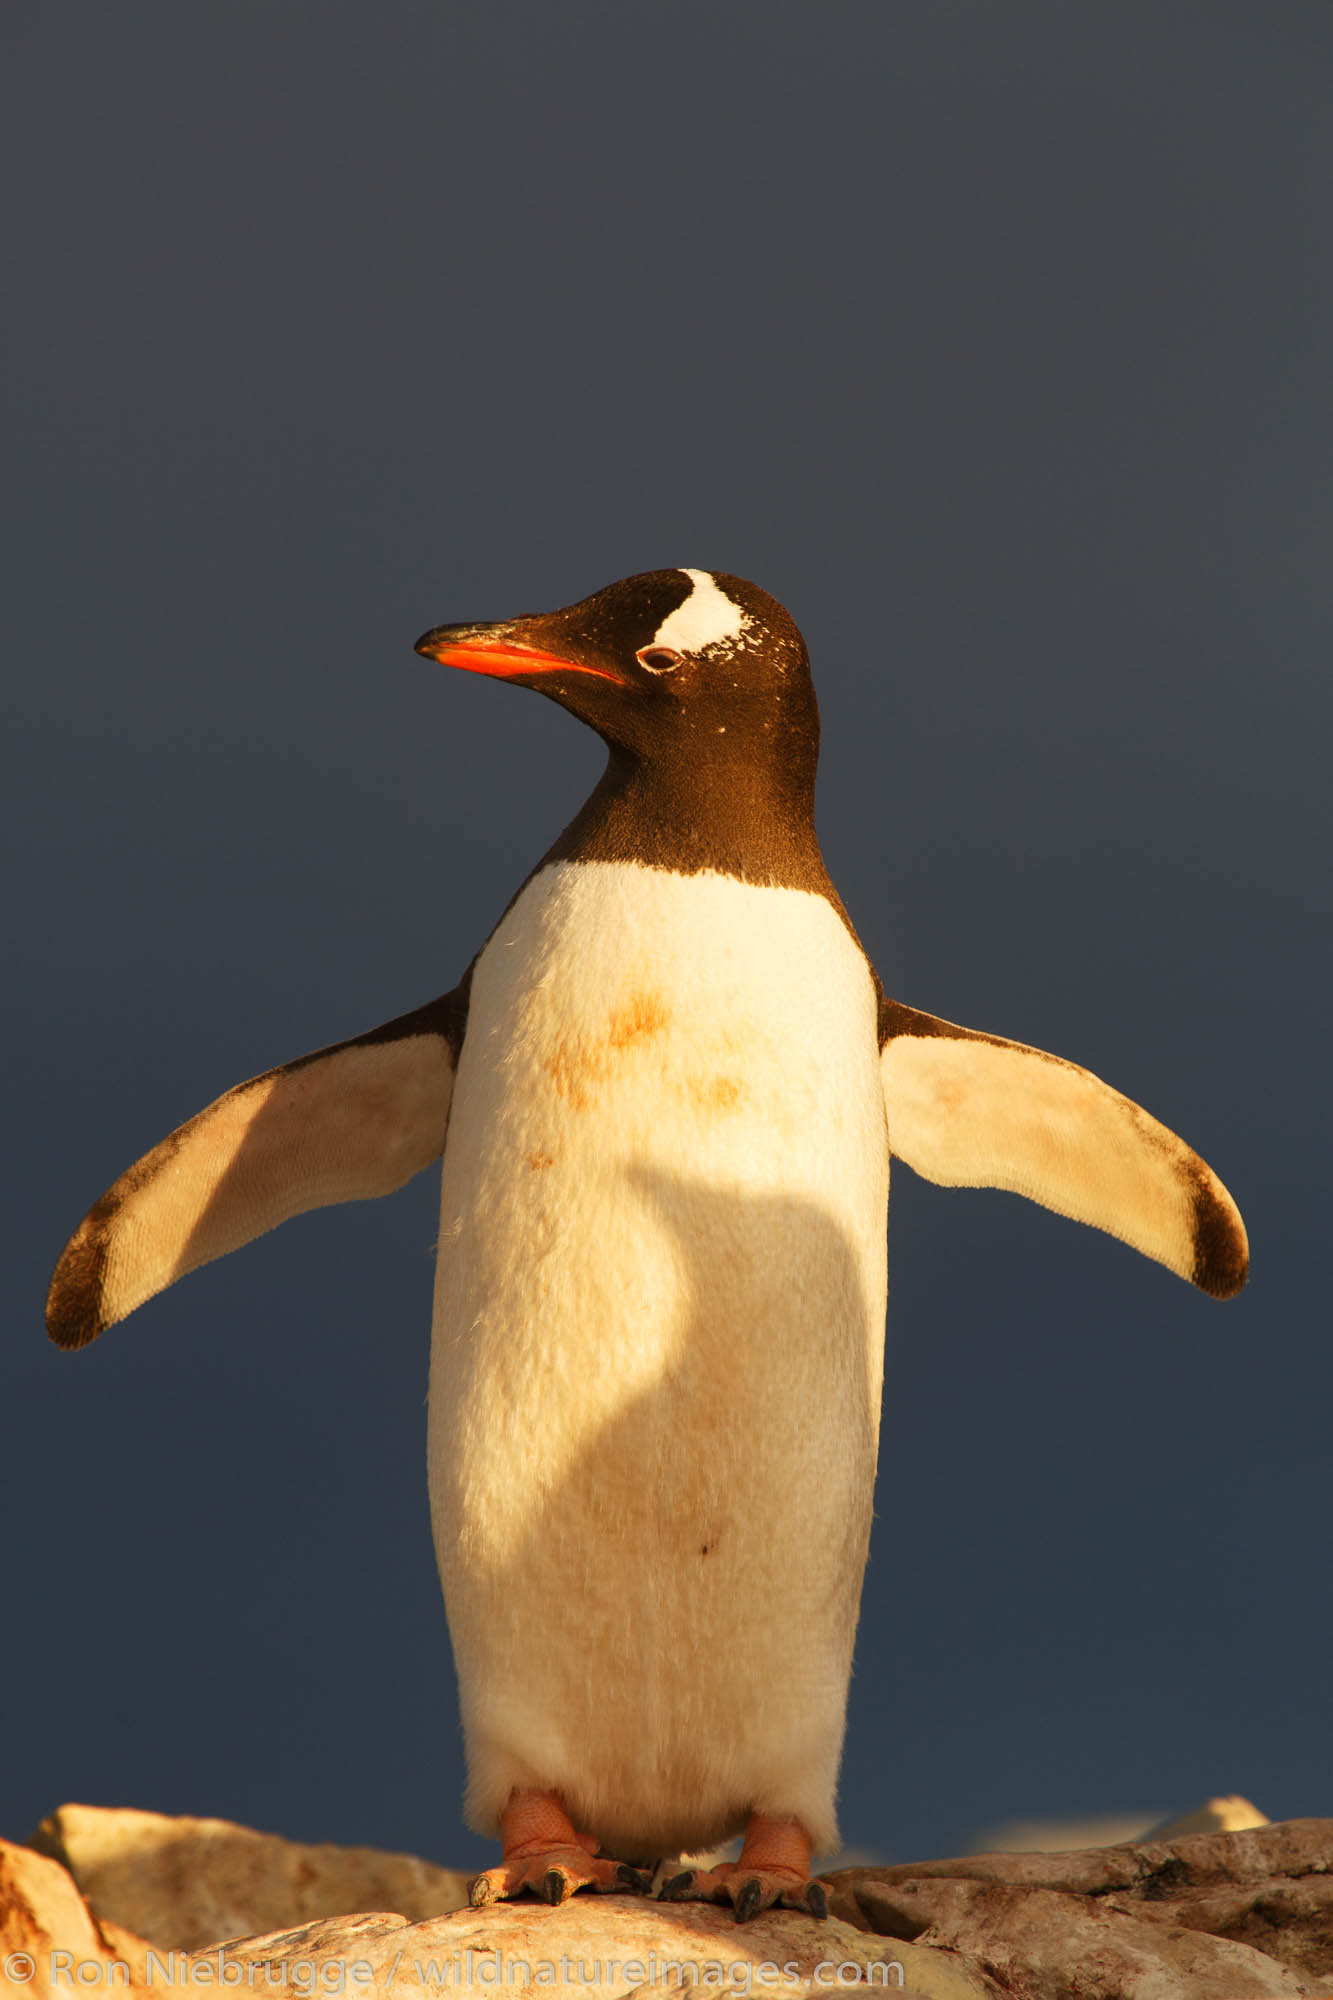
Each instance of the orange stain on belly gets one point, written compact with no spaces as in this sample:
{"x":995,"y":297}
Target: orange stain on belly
{"x":642,"y":1015}
{"x":577,"y":1068}
{"x":571,"y":1074}
{"x":715,"y":1093}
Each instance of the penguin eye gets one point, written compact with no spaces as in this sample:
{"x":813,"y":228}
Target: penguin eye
{"x":658,"y":659}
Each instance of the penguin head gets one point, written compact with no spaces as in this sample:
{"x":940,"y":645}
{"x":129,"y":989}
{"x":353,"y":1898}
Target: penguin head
{"x":672,"y":662}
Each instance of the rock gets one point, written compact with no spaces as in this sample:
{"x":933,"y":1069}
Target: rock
{"x":1046,"y":1945}
{"x":1294,"y":1847}
{"x":1290,"y":1921}
{"x":1208,"y":1916}
{"x":47,"y":1932}
{"x":1232,"y":1814}
{"x":612,"y":1945}
{"x":1054,"y":1836}
{"x":183,"y":1883}
{"x":1202,"y":1917}
{"x":1049,"y":1836}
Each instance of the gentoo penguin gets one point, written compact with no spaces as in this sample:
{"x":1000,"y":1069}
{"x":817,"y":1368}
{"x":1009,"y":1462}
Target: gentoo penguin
{"x":666,"y":1090}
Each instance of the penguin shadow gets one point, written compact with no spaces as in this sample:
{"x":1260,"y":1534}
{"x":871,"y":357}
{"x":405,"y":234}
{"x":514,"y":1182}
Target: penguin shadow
{"x":773,"y":1309}
{"x":769,"y":1362}
{"x":691,"y":1584}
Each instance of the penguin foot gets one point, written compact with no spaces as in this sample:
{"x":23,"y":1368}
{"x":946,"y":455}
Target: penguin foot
{"x":748,"y":1890}
{"x":554,"y":1874}
{"x":544,"y":1854}
{"x":773,"y":1867}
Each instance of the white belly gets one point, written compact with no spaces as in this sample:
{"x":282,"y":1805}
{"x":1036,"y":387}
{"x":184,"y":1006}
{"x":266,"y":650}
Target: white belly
{"x":657,"y":1351}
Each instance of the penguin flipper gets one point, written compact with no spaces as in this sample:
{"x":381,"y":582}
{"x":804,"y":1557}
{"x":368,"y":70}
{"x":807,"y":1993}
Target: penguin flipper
{"x":972,"y":1110}
{"x":347,"y":1122}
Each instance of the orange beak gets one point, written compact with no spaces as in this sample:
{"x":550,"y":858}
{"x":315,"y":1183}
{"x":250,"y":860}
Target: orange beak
{"x":503,"y":659}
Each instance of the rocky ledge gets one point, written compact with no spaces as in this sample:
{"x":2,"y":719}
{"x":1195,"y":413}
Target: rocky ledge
{"x":143,"y":1903}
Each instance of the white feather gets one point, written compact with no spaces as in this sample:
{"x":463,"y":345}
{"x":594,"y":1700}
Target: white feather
{"x":706,"y":618}
{"x":656,"y":1363}
{"x":970,"y":1111}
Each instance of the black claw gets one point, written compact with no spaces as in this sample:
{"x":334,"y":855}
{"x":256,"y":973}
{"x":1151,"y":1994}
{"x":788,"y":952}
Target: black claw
{"x":748,"y":1898}
{"x":816,"y":1899}
{"x":633,"y":1879}
{"x":553,"y":1886}
{"x":678,"y":1887}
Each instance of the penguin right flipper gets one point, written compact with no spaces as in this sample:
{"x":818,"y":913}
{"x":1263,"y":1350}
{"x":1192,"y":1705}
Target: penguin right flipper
{"x":972,"y":1110}
{"x":350,"y":1121}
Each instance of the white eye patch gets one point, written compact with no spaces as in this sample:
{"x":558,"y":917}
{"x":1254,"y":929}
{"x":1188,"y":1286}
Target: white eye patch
{"x":707,"y":617}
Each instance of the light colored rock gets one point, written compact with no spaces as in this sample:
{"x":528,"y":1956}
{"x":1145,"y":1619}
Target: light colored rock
{"x":1210,"y":1916}
{"x":1231,"y":1814}
{"x":1290,"y":1921}
{"x":1062,"y":1836}
{"x":183,"y":1883}
{"x":1293,"y":1847}
{"x":1204,"y":1917}
{"x":47,"y":1933}
{"x":606,"y":1946}
{"x":1054,"y":1836}
{"x":1047,"y":1945}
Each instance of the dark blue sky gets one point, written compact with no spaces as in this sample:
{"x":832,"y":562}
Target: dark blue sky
{"x":995,"y":342}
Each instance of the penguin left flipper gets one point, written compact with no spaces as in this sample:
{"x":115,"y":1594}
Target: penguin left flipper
{"x":350,"y":1121}
{"x":972,"y":1110}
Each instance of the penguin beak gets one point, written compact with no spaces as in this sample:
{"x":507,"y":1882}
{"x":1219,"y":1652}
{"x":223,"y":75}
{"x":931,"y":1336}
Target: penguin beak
{"x":491,"y":649}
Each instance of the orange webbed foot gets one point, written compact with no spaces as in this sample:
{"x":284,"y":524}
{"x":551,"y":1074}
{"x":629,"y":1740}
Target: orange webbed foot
{"x":544,"y":1854}
{"x":773,"y":1867}
{"x":554,"y":1874}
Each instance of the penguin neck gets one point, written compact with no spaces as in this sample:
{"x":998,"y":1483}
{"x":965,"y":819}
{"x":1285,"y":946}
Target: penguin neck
{"x":721,"y":812}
